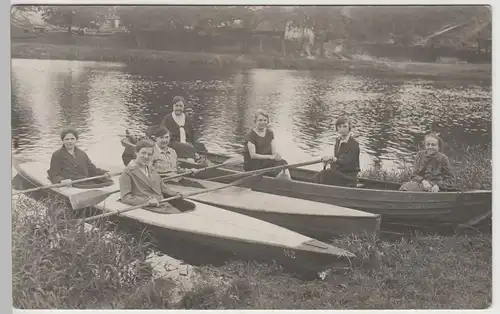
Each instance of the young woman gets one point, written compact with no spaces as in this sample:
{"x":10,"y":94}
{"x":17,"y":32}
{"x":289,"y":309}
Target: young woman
{"x":260,"y":148}
{"x":140,"y":185}
{"x":344,"y":164}
{"x":181,"y":130}
{"x":71,"y":163}
{"x":164,"y":159}
{"x":431,"y":171}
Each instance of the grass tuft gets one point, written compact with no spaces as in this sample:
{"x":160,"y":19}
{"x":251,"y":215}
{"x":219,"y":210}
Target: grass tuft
{"x":64,"y":265}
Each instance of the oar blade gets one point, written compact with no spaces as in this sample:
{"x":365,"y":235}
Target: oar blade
{"x":89,"y":198}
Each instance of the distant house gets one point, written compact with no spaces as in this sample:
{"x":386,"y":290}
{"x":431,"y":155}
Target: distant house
{"x":112,"y":22}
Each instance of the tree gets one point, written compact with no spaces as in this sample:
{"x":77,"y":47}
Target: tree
{"x":69,"y":16}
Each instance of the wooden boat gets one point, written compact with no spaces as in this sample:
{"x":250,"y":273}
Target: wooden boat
{"x":244,"y":236}
{"x":451,"y":208}
{"x":317,"y":220}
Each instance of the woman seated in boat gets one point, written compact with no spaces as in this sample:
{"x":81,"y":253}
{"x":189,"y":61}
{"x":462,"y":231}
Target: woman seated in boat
{"x":71,"y":163}
{"x":181,"y":131}
{"x":431,"y":171}
{"x":344,"y":164}
{"x":139,"y":184}
{"x":164,"y":159}
{"x":260,"y":148}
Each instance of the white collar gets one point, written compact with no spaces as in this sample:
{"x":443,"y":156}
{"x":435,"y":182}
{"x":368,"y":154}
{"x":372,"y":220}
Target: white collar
{"x":346,"y":138}
{"x":166,"y":151}
{"x":179,"y":119}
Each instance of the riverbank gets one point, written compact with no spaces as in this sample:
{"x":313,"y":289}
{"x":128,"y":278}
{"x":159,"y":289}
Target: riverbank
{"x":28,"y":50}
{"x":87,"y":268}
{"x":77,"y":267}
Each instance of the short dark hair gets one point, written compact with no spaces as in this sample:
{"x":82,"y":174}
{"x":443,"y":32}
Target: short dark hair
{"x":68,"y":131}
{"x":343,"y":120}
{"x":177,"y":99}
{"x":156,"y":131}
{"x":144,"y":144}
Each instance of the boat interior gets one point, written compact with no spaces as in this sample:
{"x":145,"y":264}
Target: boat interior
{"x":307,"y":175}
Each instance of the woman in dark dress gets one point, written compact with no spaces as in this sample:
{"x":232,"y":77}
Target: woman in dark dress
{"x":344,"y":164}
{"x":181,"y":130}
{"x":260,"y":149}
{"x":71,"y":163}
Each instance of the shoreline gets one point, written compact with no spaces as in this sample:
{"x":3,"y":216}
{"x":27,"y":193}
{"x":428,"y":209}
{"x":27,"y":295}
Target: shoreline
{"x":24,"y":50}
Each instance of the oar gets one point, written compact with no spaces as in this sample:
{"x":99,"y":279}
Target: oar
{"x":231,"y":161}
{"x":57,"y":185}
{"x":169,"y":199}
{"x":264,"y":170}
{"x":93,"y":197}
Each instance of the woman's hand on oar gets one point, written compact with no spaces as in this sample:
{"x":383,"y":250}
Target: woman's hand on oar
{"x":170,"y":199}
{"x":230,"y":162}
{"x":264,"y":170}
{"x":57,"y":185}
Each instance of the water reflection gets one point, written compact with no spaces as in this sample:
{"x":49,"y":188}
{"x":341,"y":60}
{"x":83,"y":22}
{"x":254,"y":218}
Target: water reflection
{"x":390,"y":116}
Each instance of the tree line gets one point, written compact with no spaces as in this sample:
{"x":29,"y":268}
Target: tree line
{"x":402,"y":24}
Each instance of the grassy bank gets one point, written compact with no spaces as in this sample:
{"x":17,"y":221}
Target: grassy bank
{"x":88,"y":53}
{"x":66,"y":266}
{"x":425,"y":272}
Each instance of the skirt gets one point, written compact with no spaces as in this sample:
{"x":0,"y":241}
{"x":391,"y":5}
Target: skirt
{"x":332,"y":176}
{"x":257,"y":164}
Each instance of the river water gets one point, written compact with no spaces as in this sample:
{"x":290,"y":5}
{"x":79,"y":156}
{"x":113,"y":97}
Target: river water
{"x":102,"y":100}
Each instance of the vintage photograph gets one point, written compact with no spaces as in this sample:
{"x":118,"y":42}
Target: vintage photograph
{"x":251,"y":157}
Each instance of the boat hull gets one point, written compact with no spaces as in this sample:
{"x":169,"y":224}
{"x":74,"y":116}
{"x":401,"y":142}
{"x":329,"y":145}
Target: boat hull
{"x":316,"y":220}
{"x":223,"y":230}
{"x":418,"y":209}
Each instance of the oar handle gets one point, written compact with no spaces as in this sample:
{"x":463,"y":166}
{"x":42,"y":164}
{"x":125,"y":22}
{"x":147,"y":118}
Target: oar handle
{"x":195,"y":171}
{"x":264,"y":170}
{"x":57,"y":185}
{"x":190,"y":172}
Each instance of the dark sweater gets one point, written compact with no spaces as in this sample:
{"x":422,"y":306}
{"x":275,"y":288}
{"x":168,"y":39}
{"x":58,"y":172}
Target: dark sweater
{"x":63,"y":166}
{"x":175,"y":135}
{"x":347,"y":155}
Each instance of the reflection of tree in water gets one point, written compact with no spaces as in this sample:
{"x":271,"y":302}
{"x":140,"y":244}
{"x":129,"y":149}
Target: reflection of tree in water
{"x":156,"y":84}
{"x":74,"y":97}
{"x":242,"y":83}
{"x":378,"y":116}
{"x":22,"y":120}
{"x":312,"y":117}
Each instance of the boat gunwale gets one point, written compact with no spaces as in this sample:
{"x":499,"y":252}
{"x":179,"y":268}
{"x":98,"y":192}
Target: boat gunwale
{"x":458,"y":192}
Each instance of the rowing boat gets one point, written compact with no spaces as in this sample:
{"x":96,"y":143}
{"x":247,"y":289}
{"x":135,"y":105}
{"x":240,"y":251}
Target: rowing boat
{"x":244,"y":236}
{"x":426,"y":210}
{"x":317,"y":220}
